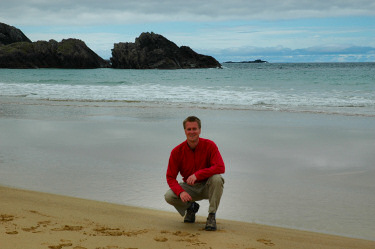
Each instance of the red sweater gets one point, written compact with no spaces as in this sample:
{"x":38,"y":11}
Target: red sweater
{"x":205,"y":161}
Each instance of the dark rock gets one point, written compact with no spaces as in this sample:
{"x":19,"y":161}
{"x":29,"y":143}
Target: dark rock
{"x":256,"y":61}
{"x":9,"y":34}
{"x":69,"y":53}
{"x":153,"y":51}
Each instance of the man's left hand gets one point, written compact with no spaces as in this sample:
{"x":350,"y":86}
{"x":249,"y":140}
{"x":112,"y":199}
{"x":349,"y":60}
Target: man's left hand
{"x":191,"y":179}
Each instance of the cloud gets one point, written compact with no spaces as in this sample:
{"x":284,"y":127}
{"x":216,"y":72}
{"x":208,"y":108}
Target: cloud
{"x":228,"y":30}
{"x":93,"y":12}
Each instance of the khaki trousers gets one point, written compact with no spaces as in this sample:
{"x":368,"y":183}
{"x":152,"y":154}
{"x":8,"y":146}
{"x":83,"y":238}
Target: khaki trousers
{"x":211,"y":189}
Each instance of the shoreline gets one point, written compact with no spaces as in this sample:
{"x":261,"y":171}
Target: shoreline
{"x":30,"y":219}
{"x":118,"y":103}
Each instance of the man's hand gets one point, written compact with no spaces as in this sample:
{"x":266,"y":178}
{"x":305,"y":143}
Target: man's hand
{"x":185,"y":197}
{"x":191,"y":179}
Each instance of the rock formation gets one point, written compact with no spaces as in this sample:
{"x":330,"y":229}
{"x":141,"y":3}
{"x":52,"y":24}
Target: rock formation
{"x":69,"y":53}
{"x":153,"y":51}
{"x":255,"y":61}
{"x":9,"y":34}
{"x":149,"y":51}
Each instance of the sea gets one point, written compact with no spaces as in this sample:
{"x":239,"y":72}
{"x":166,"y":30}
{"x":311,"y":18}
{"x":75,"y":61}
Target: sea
{"x":298,"y":139}
{"x":332,"y":88}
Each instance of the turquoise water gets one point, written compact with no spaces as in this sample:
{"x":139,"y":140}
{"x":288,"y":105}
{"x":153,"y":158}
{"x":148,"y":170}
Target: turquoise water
{"x":343,"y":88}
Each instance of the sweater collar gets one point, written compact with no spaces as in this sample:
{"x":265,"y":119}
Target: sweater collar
{"x":187,"y":145}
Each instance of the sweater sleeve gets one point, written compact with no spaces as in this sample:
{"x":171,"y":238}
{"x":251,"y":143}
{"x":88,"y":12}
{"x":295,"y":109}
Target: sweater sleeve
{"x":172,"y":172}
{"x":216,"y":164}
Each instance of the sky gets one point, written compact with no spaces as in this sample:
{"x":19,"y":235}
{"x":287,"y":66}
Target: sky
{"x":231,"y":30}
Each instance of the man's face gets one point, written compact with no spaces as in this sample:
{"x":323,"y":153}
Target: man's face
{"x":192,"y":131}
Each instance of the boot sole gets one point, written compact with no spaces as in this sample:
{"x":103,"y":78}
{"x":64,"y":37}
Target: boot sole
{"x":210,"y":228}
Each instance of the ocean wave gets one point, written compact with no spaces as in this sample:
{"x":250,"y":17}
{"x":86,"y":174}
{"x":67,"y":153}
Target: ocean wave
{"x":183,"y":94}
{"x":124,"y":103}
{"x":312,"y":88}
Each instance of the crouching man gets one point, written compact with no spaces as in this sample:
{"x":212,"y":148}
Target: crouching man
{"x":199,"y":162}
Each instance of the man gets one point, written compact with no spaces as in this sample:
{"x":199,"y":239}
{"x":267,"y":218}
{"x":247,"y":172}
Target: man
{"x":199,"y":162}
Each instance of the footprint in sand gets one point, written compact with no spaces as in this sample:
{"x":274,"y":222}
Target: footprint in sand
{"x":68,"y":228}
{"x":113,"y":247}
{"x":30,"y":229}
{"x":190,"y":238}
{"x":6,"y":217}
{"x":44,"y":223}
{"x":65,"y":243}
{"x":33,"y":229}
{"x":160,"y":239}
{"x":36,"y":212}
{"x":60,"y":246}
{"x":106,"y":231}
{"x":267,"y":242}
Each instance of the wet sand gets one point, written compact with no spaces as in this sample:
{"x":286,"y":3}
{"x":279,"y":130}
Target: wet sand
{"x":39,"y":220}
{"x":304,"y":171}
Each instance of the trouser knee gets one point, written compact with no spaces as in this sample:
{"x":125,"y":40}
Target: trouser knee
{"x":172,"y":199}
{"x":170,"y":196}
{"x":216,"y":181}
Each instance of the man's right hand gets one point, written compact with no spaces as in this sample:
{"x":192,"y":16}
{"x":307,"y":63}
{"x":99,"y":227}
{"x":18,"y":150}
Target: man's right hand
{"x":185,"y":197}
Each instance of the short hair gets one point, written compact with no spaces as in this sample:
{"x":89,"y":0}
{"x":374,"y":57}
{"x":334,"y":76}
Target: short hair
{"x":192,"y":119}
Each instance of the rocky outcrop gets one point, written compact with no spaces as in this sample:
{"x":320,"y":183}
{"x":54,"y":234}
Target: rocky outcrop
{"x":9,"y":34}
{"x":69,"y":53}
{"x":153,"y":51}
{"x":256,"y":61}
{"x":149,"y":51}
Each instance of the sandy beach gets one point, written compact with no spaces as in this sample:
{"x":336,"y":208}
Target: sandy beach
{"x":308,"y":172}
{"x":38,"y":220}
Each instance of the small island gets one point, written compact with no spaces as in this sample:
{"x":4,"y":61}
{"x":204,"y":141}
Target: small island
{"x":255,"y":61}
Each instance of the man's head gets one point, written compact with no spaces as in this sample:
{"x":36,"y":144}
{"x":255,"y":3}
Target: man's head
{"x":192,"y":119}
{"x":192,"y":127}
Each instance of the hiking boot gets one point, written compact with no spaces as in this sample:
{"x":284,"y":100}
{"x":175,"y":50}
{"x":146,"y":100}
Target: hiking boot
{"x":190,"y":213}
{"x":211,"y":223}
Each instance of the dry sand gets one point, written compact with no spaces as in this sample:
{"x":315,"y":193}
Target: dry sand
{"x":37,"y":220}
